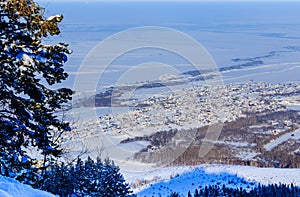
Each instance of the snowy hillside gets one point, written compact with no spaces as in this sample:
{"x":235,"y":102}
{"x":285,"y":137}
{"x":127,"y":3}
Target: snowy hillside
{"x":162,"y":182}
{"x":12,"y":188}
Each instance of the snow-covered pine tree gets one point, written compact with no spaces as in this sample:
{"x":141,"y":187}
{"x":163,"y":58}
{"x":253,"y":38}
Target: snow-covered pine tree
{"x":88,"y":178}
{"x":174,"y":194}
{"x":79,"y":178}
{"x":113,"y":181}
{"x":56,"y":180}
{"x":196,"y":194}
{"x":28,"y":69}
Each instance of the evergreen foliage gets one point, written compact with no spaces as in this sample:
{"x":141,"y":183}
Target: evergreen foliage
{"x":28,"y":70}
{"x":174,"y":194}
{"x":85,"y":178}
{"x":273,"y":190}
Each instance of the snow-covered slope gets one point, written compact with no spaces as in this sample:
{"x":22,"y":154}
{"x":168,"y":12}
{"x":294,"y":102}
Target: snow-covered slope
{"x":12,"y":188}
{"x":162,"y":182}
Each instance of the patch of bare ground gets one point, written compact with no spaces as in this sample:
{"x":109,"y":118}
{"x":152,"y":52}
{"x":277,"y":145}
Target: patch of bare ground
{"x":241,"y":143}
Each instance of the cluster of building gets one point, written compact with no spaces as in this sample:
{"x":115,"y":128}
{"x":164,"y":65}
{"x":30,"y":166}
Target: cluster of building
{"x":195,"y":107}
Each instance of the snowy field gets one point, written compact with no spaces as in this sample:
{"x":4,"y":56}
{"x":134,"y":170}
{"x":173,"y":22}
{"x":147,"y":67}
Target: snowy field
{"x":11,"y":188}
{"x":163,"y":181}
{"x":292,"y":135}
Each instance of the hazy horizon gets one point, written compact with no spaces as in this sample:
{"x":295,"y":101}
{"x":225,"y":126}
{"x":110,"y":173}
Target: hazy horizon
{"x":227,"y":30}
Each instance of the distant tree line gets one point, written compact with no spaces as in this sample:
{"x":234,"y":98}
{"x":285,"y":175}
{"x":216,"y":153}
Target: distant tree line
{"x":273,"y":190}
